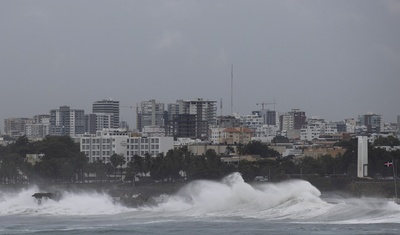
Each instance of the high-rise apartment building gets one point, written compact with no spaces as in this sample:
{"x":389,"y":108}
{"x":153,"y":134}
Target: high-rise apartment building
{"x":286,"y":122}
{"x":183,"y":114}
{"x":66,"y":121}
{"x":293,"y":120}
{"x":299,"y":118}
{"x":373,"y":122}
{"x":205,"y":110}
{"x":182,"y":126}
{"x":269,"y":116}
{"x":176,"y":108}
{"x":150,"y":113}
{"x":97,"y":122}
{"x":108,"y":106}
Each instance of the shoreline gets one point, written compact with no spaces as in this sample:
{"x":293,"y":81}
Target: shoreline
{"x":348,"y":187}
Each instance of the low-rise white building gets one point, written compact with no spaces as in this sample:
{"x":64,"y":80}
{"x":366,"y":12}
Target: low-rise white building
{"x":250,"y":121}
{"x":38,"y":130}
{"x":148,"y":145}
{"x":151,"y":131}
{"x":216,"y":135}
{"x":266,"y":131}
{"x":103,"y":144}
{"x":231,"y":135}
{"x":317,"y":127}
{"x":310,"y":132}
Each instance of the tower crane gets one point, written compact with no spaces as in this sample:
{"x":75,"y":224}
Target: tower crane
{"x":266,"y":103}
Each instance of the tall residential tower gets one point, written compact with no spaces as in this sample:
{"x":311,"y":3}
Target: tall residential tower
{"x":108,"y":106}
{"x":66,"y":121}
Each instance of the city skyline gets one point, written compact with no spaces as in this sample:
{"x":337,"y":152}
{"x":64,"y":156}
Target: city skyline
{"x":165,"y":108}
{"x":333,"y":59}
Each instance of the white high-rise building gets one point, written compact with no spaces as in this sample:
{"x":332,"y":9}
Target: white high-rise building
{"x":205,"y":110}
{"x":150,"y":113}
{"x":286,"y":122}
{"x":66,"y":121}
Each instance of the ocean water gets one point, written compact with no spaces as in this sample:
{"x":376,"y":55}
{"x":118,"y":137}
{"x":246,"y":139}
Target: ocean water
{"x":230,"y":206}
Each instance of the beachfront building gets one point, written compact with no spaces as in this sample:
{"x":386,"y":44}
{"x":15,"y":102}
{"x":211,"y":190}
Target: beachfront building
{"x":105,"y":143}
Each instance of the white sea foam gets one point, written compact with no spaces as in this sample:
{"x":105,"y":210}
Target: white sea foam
{"x":290,"y":201}
{"x":294,"y":200}
{"x":232,"y":196}
{"x":70,"y":204}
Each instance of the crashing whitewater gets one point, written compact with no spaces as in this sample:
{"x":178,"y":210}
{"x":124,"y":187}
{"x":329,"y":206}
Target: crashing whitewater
{"x":290,"y":201}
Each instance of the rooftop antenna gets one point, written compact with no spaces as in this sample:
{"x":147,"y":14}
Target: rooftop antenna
{"x":220,"y":106}
{"x":232,"y":89}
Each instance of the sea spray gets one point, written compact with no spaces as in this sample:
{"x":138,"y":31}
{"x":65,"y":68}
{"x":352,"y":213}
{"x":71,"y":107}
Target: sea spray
{"x":70,"y":204}
{"x":232,"y":196}
{"x":290,"y":201}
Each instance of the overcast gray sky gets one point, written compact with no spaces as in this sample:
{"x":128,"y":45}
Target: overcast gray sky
{"x":333,"y":59}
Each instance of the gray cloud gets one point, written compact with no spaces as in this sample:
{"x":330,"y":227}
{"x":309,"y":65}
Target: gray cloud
{"x":334,"y":59}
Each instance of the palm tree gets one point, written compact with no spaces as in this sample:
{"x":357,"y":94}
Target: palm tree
{"x":133,"y":168}
{"x":116,"y":160}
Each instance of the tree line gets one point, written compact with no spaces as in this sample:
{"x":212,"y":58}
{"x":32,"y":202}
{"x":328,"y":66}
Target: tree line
{"x":61,"y":161}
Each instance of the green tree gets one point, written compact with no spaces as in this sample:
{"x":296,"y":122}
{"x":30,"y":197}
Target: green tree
{"x":387,"y":141}
{"x":347,"y":163}
{"x":280,"y":139}
{"x":259,"y":148}
{"x":157,"y":169}
{"x":134,"y":167}
{"x":9,"y":168}
{"x":100,"y":171}
{"x":248,"y":170}
{"x":116,"y":160}
{"x":79,"y":162}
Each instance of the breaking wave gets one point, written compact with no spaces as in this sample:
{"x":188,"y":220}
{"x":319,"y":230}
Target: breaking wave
{"x":294,"y":201}
{"x":23,"y":203}
{"x":290,"y":201}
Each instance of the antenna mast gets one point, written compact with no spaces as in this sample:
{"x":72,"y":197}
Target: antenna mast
{"x":232,"y":89}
